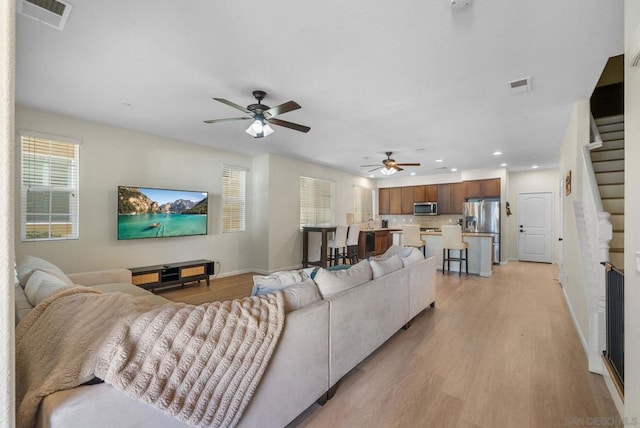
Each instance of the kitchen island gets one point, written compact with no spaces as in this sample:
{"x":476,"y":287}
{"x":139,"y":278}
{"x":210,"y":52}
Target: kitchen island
{"x":480,"y":250}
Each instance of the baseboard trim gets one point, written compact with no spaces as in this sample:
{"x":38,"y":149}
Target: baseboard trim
{"x":583,"y":340}
{"x":613,"y":389}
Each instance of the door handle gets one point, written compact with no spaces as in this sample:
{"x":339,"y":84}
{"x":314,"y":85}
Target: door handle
{"x":559,"y":239}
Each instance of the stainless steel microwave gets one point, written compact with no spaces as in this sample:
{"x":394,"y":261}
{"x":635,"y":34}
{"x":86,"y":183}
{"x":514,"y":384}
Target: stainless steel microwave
{"x":425,"y":208}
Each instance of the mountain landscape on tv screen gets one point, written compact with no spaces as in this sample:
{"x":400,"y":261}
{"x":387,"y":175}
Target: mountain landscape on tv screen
{"x":133,"y":201}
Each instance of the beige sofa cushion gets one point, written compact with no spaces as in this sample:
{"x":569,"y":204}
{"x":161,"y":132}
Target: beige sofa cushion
{"x":383,"y":267}
{"x":300,"y":295}
{"x":42,"y":285}
{"x":29,"y":264}
{"x":414,"y":256}
{"x":264,"y":284}
{"x":333,"y":282}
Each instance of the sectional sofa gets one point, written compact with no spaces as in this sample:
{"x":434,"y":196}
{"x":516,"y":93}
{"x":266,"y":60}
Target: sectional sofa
{"x":323,"y":339}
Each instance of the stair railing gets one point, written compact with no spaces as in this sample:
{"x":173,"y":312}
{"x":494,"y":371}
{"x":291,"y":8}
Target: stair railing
{"x":599,"y":232}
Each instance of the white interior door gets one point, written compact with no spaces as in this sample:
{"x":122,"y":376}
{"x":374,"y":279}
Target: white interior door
{"x":535,"y":227}
{"x":561,"y":197}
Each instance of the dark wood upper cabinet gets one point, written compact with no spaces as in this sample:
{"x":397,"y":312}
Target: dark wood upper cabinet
{"x":431,"y":192}
{"x":482,"y":188}
{"x":444,"y":198}
{"x":407,"y":199}
{"x":450,"y":198}
{"x":491,"y":188}
{"x":395,"y":200}
{"x":456,"y":198}
{"x":419,"y":193}
{"x":383,"y":201}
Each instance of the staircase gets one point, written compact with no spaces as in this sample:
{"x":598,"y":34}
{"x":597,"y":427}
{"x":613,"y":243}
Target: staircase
{"x":608,"y":165}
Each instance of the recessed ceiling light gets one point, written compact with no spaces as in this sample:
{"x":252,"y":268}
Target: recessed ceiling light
{"x":438,"y":160}
{"x":503,"y":164}
{"x":535,"y":166}
{"x":497,"y":153}
{"x":371,"y":176}
{"x":454,"y":169}
{"x":413,"y":173}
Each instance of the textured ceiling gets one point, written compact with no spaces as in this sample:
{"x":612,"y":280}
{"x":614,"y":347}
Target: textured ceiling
{"x":413,"y":77}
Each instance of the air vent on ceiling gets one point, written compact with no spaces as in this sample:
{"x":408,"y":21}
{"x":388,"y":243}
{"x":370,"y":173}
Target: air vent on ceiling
{"x":51,"y":12}
{"x":520,"y":85}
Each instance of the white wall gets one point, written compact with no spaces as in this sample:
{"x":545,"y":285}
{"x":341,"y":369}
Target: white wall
{"x":7,"y":160}
{"x":112,"y":156}
{"x":632,"y":214}
{"x":285,"y":237}
{"x":576,"y":136}
{"x":530,"y":182}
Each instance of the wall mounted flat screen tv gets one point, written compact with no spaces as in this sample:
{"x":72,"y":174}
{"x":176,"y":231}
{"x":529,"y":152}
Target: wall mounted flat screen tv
{"x":145,"y":212}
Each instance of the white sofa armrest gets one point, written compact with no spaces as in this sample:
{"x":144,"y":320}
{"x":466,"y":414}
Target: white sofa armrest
{"x":110,"y":276}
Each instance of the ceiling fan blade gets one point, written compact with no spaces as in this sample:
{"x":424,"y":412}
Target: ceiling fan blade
{"x":375,"y":169}
{"x":226,"y":120}
{"x":396,"y":167}
{"x":231,"y":104}
{"x":408,"y":164}
{"x":289,"y":125}
{"x":283,"y":108}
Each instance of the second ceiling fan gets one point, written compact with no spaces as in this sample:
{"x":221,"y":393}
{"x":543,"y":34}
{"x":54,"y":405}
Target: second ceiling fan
{"x":262,"y":115}
{"x":389,"y":166}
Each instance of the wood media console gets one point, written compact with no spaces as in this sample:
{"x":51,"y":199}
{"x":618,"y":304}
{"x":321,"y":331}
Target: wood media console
{"x":152,"y":277}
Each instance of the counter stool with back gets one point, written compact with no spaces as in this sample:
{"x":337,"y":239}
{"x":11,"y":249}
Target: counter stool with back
{"x":452,"y":240}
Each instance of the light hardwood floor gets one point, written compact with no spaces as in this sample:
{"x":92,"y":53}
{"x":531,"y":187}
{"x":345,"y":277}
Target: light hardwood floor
{"x":495,"y":352}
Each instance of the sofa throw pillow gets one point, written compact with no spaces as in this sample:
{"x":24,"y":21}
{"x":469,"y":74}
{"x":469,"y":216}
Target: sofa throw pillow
{"x":29,"y":264}
{"x":42,"y":285}
{"x":333,"y":282}
{"x":265,"y":284}
{"x":300,"y":295}
{"x":414,"y":256}
{"x":383,"y":267}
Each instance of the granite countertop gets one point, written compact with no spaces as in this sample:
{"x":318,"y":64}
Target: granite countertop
{"x":469,"y":234}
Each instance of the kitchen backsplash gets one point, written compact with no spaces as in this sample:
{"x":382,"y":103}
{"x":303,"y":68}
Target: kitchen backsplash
{"x":434,"y":221}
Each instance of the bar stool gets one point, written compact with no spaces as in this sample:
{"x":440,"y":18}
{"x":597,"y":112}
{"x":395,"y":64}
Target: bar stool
{"x":353,"y":238}
{"x":337,"y":245}
{"x":411,"y":237}
{"x":452,"y":240}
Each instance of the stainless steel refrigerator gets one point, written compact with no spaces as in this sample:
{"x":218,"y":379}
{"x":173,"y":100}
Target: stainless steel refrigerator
{"x":483,"y":216}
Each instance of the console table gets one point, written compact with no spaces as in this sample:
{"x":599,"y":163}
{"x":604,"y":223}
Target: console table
{"x":151,"y":277}
{"x":323,"y":250}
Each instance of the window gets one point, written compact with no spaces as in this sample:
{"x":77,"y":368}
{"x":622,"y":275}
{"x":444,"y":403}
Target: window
{"x":316,"y":202}
{"x":50,"y":187}
{"x":234,"y":183}
{"x":362,"y":204}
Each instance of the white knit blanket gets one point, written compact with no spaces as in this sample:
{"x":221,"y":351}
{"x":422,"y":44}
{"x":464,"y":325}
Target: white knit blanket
{"x":200,"y":364}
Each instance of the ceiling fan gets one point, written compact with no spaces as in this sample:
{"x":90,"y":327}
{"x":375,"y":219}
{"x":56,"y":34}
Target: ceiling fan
{"x":262,"y":115}
{"x":389,"y":166}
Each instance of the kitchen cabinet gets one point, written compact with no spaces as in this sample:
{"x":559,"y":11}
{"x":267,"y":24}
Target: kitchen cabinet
{"x":407,"y":200}
{"x":383,"y":201}
{"x":425,"y":193}
{"x":450,"y":198}
{"x":384,"y":239}
{"x":482,"y":188}
{"x":395,"y":200}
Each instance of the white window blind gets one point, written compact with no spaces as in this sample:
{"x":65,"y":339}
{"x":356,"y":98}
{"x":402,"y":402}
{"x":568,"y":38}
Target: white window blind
{"x":316,"y":202}
{"x":234,"y":183}
{"x":362,"y":204}
{"x":50,"y":199}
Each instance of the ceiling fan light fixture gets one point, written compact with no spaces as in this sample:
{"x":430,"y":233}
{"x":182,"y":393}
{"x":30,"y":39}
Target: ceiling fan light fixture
{"x":267,"y":130}
{"x":388,"y":171}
